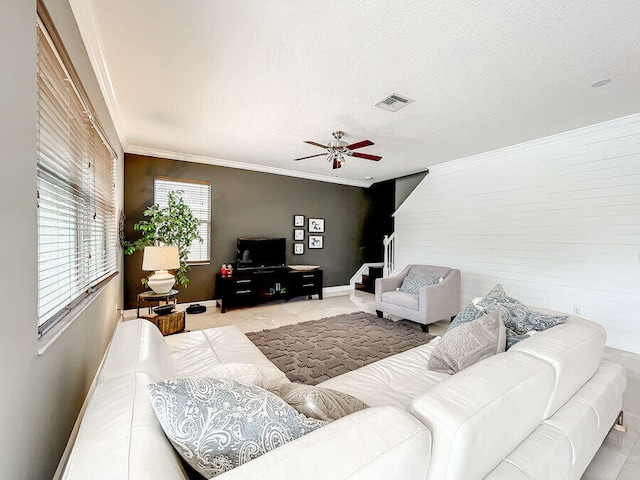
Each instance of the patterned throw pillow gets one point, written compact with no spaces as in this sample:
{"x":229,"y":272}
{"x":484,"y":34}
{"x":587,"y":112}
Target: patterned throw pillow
{"x":522,"y":320}
{"x":514,"y":337}
{"x":414,"y":284}
{"x":219,"y":424}
{"x":469,"y":343}
{"x":468,"y":314}
{"x":317,"y":402}
{"x":518,"y":319}
{"x":495,"y":297}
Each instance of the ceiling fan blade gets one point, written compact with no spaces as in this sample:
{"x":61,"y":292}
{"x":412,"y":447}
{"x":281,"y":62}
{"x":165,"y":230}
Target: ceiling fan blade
{"x":315,"y":143}
{"x":363,"y":143}
{"x":336,"y":163}
{"x":366,"y":156}
{"x":310,"y":156}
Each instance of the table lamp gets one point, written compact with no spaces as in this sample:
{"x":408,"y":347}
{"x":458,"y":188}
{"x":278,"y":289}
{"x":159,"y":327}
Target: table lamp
{"x":159,"y":260}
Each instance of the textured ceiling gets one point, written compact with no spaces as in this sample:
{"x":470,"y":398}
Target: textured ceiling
{"x":247,"y":81}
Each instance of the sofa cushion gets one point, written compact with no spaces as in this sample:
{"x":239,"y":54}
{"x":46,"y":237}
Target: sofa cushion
{"x":413,"y":285}
{"x":402,"y":299}
{"x":193,"y":353}
{"x":573,"y":349}
{"x":469,"y":343}
{"x":137,"y":346}
{"x":219,"y":424}
{"x":120,"y":437}
{"x":479,"y":415}
{"x":317,"y":402}
{"x":373,"y":444}
{"x":394,"y":380}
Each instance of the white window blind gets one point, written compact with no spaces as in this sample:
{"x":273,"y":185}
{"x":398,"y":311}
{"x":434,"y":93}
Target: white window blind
{"x":197,"y":195}
{"x":76,"y":192}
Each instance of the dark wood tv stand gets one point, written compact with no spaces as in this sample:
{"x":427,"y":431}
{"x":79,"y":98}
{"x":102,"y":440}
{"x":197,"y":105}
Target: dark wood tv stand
{"x":251,"y":287}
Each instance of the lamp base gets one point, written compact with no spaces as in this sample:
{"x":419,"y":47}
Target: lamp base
{"x":161,"y":281}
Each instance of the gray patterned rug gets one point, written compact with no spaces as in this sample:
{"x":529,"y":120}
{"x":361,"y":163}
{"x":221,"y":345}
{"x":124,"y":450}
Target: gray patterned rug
{"x":315,"y":351}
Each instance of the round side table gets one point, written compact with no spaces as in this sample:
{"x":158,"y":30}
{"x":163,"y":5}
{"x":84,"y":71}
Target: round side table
{"x":151,"y":296}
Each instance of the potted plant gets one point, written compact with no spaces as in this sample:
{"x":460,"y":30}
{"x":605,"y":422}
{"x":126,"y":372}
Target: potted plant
{"x":173,"y":225}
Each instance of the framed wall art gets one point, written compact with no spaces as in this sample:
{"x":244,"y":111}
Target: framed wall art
{"x":298,"y":248}
{"x":316,"y":225}
{"x":316,"y":241}
{"x":298,"y":234}
{"x":298,"y":220}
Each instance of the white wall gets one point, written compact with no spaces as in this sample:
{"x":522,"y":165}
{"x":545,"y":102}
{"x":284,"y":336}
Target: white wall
{"x":41,"y":394}
{"x":556,"y":221}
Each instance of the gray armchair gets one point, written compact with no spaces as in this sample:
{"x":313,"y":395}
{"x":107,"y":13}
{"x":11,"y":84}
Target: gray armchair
{"x":432,"y":303}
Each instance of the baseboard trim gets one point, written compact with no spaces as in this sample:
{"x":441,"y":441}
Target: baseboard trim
{"x":337,"y":290}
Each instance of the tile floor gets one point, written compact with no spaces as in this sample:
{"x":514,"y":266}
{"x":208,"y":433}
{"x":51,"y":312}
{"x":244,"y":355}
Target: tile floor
{"x":619,"y":455}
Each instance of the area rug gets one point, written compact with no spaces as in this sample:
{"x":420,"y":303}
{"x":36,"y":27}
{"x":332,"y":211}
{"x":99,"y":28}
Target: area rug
{"x":314,"y":351}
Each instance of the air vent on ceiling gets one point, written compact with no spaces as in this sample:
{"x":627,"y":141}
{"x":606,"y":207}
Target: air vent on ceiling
{"x":394,"y":102}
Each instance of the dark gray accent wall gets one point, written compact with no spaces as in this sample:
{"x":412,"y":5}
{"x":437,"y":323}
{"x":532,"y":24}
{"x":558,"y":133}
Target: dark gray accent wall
{"x":254,"y":204}
{"x":405,"y":185}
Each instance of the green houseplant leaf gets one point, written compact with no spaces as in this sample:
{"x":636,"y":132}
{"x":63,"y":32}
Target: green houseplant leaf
{"x":173,"y":225}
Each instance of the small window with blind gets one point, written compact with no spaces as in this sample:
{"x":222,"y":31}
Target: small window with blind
{"x":77,"y":247}
{"x":197,"y":195}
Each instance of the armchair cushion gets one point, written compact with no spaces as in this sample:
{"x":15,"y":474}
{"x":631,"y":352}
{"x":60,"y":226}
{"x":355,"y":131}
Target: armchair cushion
{"x":402,"y":299}
{"x":412,"y":284}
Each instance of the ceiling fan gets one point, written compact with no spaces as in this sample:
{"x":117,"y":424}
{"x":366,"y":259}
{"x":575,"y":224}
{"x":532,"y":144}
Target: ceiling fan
{"x":338,"y":149}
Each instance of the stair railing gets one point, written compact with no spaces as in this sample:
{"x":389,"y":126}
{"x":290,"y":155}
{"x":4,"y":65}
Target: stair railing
{"x":389,"y":243}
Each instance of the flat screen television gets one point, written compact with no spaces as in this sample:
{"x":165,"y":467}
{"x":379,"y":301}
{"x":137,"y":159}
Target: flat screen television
{"x":261,"y":253}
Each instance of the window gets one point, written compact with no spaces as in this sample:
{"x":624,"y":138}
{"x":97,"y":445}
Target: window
{"x":197,"y":195}
{"x":76,"y":188}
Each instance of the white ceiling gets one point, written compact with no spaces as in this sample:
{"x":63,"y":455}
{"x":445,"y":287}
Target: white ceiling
{"x":244,"y":82}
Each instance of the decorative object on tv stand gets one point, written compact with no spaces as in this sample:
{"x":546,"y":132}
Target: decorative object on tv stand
{"x":161,"y":259}
{"x":316,"y":225}
{"x":316,"y":241}
{"x":175,"y":225}
{"x":298,"y":220}
{"x":298,"y":248}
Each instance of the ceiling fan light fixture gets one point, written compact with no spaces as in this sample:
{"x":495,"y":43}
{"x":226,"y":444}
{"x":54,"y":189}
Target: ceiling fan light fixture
{"x":337,"y":150}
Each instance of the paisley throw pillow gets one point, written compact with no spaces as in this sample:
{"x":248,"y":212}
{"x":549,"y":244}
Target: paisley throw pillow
{"x":219,"y":424}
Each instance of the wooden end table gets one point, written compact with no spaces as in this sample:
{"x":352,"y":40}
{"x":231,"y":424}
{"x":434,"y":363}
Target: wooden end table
{"x":151,"y":296}
{"x":168,"y":324}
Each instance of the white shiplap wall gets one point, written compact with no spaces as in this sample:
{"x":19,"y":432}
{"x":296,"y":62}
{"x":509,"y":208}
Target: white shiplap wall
{"x":556,"y":221}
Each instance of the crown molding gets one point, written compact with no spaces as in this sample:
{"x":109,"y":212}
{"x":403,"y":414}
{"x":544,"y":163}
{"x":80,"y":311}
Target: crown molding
{"x":90,"y":33}
{"x":597,"y":132}
{"x":187,"y":157}
{"x":577,"y":135}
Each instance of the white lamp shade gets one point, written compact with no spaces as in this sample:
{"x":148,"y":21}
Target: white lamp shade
{"x":160,"y":258}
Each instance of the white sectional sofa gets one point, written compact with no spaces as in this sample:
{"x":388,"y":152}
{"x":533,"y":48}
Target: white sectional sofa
{"x":538,"y":411}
